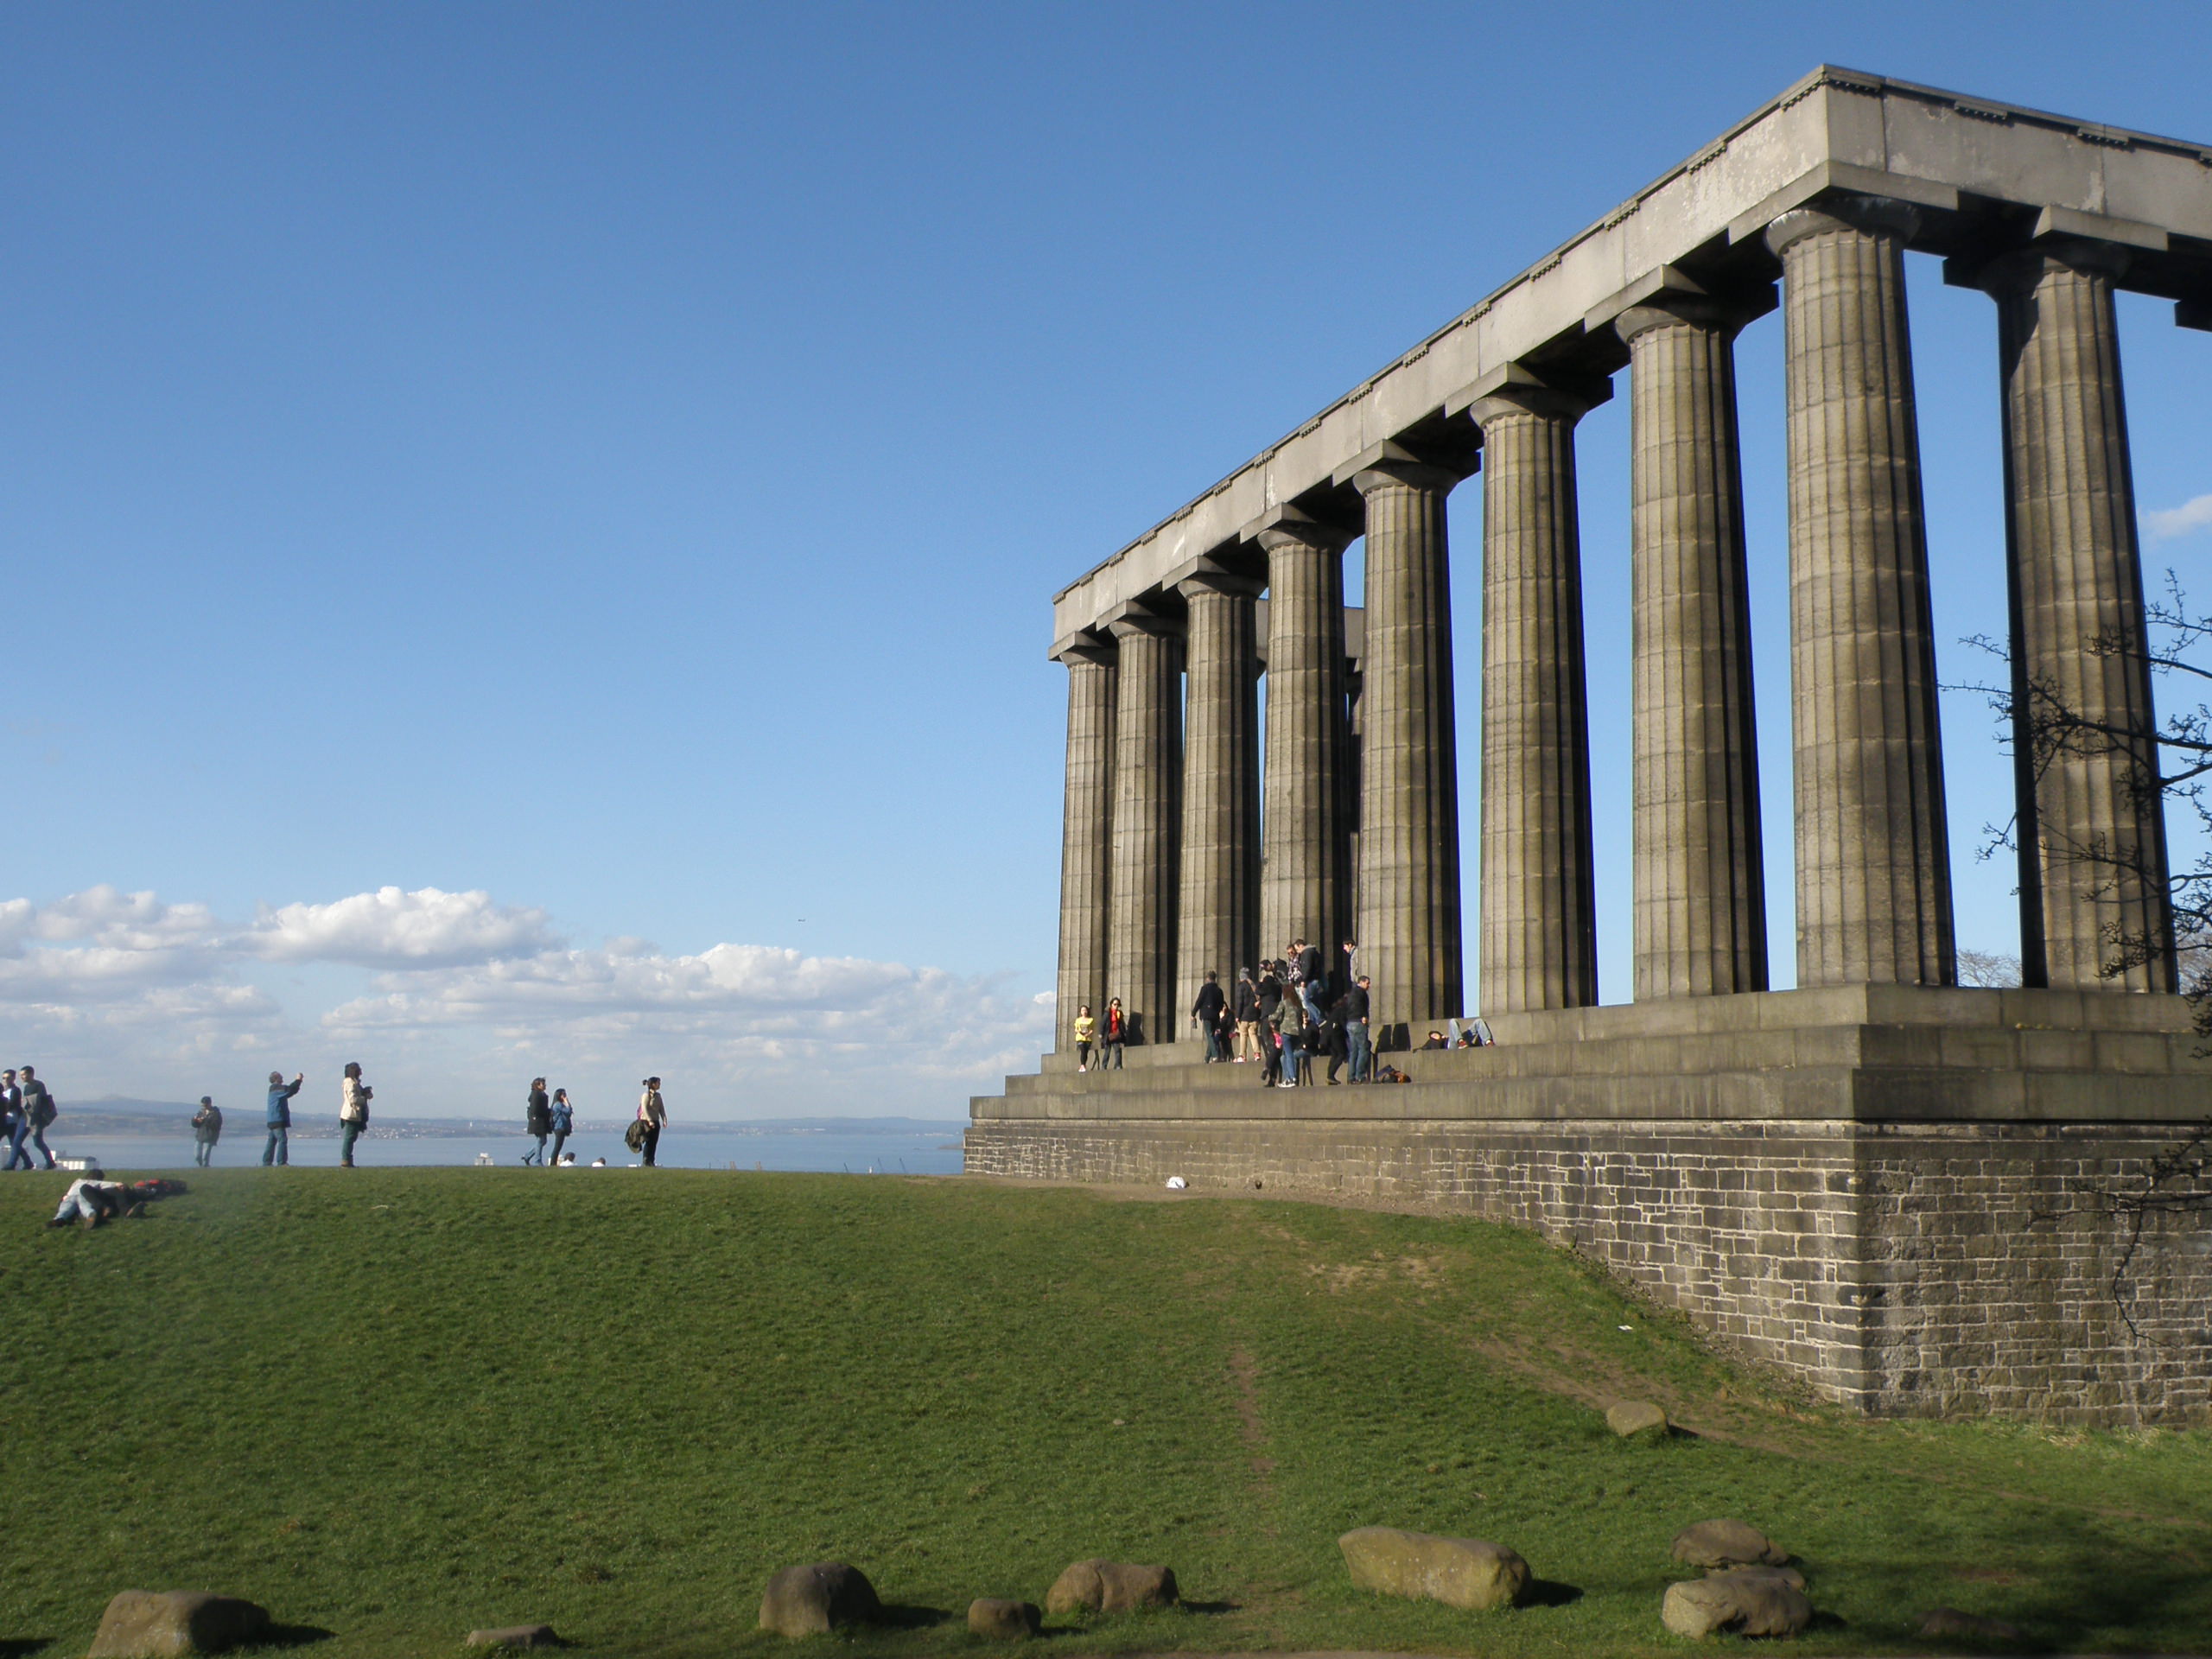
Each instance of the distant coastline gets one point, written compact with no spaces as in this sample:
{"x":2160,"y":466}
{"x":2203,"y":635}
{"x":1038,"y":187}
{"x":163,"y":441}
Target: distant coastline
{"x":115,"y":1116}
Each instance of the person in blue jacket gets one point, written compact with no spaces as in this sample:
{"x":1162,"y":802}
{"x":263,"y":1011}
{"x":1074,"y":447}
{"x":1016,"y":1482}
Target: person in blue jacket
{"x":279,"y":1149}
{"x":564,"y":1121}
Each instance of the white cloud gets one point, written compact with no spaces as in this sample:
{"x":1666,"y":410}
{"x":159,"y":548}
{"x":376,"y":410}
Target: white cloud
{"x":2164,"y":524}
{"x":389,"y":928}
{"x":114,"y":993}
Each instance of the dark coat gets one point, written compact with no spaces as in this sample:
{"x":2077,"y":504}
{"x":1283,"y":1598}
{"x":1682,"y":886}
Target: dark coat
{"x":538,"y":1117}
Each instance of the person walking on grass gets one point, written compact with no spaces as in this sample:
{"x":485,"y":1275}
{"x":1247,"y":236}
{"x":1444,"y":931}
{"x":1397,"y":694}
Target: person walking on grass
{"x":13,"y":1124}
{"x":564,"y":1119}
{"x":206,"y":1130}
{"x":353,"y":1112}
{"x":279,"y":1149}
{"x":537,"y":1120}
{"x":1086,"y":1034}
{"x":39,"y":1110}
{"x":654,"y":1115}
{"x":1117,"y":1033}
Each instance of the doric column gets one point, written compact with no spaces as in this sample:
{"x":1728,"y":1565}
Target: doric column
{"x":1086,"y":836}
{"x":1409,"y":885}
{"x":2091,"y":831}
{"x":1539,"y":920}
{"x":1305,"y":879}
{"x":1873,"y":861}
{"x":1219,"y":913}
{"x":1147,"y":820}
{"x":1700,"y":890}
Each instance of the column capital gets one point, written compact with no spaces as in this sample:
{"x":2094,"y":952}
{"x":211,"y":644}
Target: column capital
{"x":1667,"y":293}
{"x":1132,"y":624}
{"x":1514,"y":389}
{"x":1382,"y":464}
{"x":1287,"y":526}
{"x":1085,"y":647}
{"x":2014,"y":271}
{"x":1220,"y":582}
{"x":1881,"y":216}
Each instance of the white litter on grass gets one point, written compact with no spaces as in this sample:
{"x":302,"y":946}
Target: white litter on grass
{"x":1176,"y":1184}
{"x":1624,"y":1327}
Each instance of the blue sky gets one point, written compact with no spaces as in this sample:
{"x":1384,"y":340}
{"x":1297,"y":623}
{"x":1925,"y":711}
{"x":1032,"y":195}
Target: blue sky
{"x":604,"y":467}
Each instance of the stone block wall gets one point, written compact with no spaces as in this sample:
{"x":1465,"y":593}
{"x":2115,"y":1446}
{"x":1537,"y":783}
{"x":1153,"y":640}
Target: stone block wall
{"x":1900,"y":1268}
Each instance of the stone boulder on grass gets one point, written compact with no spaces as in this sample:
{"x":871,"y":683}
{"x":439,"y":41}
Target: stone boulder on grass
{"x":1726,"y":1543}
{"x":514,"y":1636}
{"x":1003,"y":1620}
{"x":160,"y":1623}
{"x":817,"y":1600}
{"x":1458,"y":1572}
{"x":1636,"y":1417}
{"x":1741,"y":1600}
{"x":1101,"y":1587}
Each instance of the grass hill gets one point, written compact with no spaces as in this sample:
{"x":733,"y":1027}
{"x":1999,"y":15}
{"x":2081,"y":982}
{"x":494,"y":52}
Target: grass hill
{"x":396,"y":1404}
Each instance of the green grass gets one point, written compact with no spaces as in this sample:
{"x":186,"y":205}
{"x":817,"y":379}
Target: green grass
{"x":396,"y":1404}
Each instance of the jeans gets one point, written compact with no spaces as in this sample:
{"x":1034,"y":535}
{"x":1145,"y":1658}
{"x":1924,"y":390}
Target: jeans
{"x":537,"y":1154}
{"x":79,"y":1204}
{"x":38,"y":1139}
{"x":18,"y":1158}
{"x":1310,"y":995}
{"x":1363,"y":1056}
{"x":1213,"y":1046}
{"x":201,"y":1153}
{"x":560,"y":1137}
{"x":347,"y":1134}
{"x":652,"y":1142}
{"x":279,"y":1149}
{"x":1293,"y":1058}
{"x":1113,"y":1057}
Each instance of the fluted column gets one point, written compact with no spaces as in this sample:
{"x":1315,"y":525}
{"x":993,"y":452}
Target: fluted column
{"x":1700,"y":892}
{"x":1873,"y":861}
{"x":1086,"y":836}
{"x":1409,"y":885}
{"x":1305,"y":879}
{"x":1539,"y":920}
{"x":1147,"y":820}
{"x":1219,"y":913}
{"x":2091,"y":831}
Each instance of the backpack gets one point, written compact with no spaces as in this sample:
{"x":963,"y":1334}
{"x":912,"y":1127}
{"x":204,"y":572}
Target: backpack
{"x":42,"y":1108}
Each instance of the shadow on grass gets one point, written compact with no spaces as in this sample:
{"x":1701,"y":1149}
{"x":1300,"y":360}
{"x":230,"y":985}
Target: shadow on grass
{"x":893,"y":1617}
{"x":1210,"y":1607}
{"x":1547,"y":1593}
{"x":280,"y":1637}
{"x":23,"y":1647}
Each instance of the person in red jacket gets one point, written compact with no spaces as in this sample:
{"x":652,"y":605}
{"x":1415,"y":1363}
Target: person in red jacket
{"x":1117,"y":1034}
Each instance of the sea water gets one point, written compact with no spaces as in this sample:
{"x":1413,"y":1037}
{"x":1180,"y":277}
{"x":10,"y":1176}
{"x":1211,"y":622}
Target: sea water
{"x":931,"y":1149}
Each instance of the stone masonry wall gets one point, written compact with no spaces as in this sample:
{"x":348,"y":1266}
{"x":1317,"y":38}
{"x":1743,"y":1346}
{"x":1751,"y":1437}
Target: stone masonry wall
{"x":1904,"y":1269}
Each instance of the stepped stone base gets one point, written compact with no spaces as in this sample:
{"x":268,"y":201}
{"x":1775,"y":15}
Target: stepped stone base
{"x":1916,"y":1201}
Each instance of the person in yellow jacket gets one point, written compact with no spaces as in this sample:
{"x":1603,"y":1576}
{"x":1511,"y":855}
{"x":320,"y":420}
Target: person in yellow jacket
{"x":1086,"y":1034}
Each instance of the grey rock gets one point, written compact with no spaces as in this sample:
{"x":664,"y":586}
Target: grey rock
{"x":158,"y":1624}
{"x":1458,"y":1572}
{"x":816,"y":1599}
{"x":1102,"y":1587}
{"x":1745,"y":1600}
{"x":1003,"y":1620}
{"x":1635,"y":1417}
{"x":1726,"y":1543}
{"x":514,"y":1636}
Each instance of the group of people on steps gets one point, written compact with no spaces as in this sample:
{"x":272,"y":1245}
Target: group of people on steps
{"x":1282,"y":1018}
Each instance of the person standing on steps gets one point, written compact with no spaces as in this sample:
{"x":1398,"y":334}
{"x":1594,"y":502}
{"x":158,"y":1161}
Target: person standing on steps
{"x":39,"y":1110}
{"x":537,"y":1120}
{"x":1086,"y":1035}
{"x":279,"y":1149}
{"x":654,"y":1115}
{"x":1356,"y":1004}
{"x":1244,"y":1010}
{"x":1117,"y":1033}
{"x":564,"y":1117}
{"x":353,"y":1113}
{"x":1206,"y":1014}
{"x":13,"y":1124}
{"x":206,"y":1130}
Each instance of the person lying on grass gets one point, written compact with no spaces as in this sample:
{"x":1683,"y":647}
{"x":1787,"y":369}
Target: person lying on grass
{"x":95,"y":1200}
